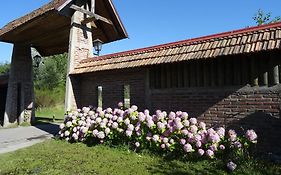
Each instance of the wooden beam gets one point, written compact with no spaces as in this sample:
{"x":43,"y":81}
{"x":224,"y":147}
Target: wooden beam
{"x":92,"y":16}
{"x":254,"y":72}
{"x":93,"y":5}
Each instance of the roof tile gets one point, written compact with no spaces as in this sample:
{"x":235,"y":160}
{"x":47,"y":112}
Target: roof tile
{"x":266,"y":37}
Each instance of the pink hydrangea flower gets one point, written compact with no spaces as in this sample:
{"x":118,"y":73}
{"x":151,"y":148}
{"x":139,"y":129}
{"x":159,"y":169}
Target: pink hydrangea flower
{"x":232,"y":135}
{"x":221,"y":132}
{"x":222,"y":147}
{"x":210,"y":153}
{"x":129,"y":133}
{"x":198,"y":144}
{"x":251,"y":136}
{"x":201,"y":152}
{"x":155,"y":138}
{"x":187,"y":148}
{"x":193,"y":121}
{"x":62,"y":126}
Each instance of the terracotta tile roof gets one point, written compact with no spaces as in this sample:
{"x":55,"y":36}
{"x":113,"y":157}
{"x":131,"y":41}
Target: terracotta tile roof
{"x":252,"y":39}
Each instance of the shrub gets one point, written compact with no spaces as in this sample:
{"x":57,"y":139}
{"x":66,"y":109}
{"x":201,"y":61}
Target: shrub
{"x":173,"y":133}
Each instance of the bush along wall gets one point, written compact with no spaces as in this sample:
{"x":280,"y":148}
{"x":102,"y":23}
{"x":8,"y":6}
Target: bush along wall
{"x":171,"y":133}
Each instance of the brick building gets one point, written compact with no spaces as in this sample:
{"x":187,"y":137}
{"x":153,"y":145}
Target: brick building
{"x":230,"y":78}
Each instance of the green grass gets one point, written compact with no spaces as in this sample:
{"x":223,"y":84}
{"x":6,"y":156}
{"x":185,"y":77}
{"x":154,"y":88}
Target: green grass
{"x":46,"y":114}
{"x":59,"y":157}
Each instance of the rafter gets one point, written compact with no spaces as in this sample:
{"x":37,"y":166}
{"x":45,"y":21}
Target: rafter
{"x":92,"y":16}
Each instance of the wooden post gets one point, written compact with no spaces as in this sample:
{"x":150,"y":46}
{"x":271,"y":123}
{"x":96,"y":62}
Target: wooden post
{"x":192,"y":74}
{"x":229,"y":71}
{"x":157,"y":79}
{"x":127,"y":96}
{"x":147,"y":89}
{"x":220,"y":68}
{"x":263,"y":67}
{"x":254,"y":74}
{"x":100,"y":96}
{"x":93,"y":4}
{"x":152,"y":77}
{"x":180,"y":75}
{"x":237,"y":71}
{"x":276,"y":74}
{"x":185,"y":74}
{"x":198,"y":73}
{"x":245,"y":70}
{"x":168,"y":68}
{"x":206,"y":73}
{"x":174,"y":79}
{"x":213,"y":72}
{"x":163,"y":76}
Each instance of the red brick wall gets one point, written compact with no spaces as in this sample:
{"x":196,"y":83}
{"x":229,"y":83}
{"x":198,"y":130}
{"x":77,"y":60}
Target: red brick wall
{"x":238,"y":107}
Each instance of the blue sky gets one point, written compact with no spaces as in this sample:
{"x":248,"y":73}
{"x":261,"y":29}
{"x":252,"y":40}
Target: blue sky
{"x":153,"y":22}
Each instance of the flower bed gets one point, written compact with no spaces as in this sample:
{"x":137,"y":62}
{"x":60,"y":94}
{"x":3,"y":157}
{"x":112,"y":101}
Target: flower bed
{"x":172,"y":132}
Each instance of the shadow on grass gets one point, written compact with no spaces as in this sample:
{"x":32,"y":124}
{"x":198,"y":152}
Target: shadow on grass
{"x":176,"y":167}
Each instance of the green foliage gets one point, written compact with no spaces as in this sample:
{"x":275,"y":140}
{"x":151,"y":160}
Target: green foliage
{"x":58,"y":157}
{"x":52,"y":73}
{"x":49,"y":81}
{"x":49,"y":98}
{"x":5,"y":68}
{"x":264,"y":18}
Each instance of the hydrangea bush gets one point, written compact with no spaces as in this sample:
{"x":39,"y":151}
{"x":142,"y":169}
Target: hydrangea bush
{"x":173,"y":132}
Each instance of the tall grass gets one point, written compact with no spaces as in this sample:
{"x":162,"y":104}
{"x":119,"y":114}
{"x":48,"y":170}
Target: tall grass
{"x":45,"y":98}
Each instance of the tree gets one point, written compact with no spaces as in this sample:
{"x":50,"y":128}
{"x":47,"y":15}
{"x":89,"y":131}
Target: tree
{"x":5,"y":68}
{"x":264,"y":18}
{"x":52,"y":73}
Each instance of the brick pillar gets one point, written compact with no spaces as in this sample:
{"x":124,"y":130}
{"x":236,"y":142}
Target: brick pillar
{"x":20,"y":95}
{"x":80,"y":47}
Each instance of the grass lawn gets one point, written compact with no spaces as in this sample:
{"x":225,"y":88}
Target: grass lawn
{"x":46,"y":114}
{"x":59,"y":157}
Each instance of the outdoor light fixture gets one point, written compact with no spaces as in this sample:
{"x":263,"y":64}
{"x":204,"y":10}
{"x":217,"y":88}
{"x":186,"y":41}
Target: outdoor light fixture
{"x":37,"y":60}
{"x":97,"y":46}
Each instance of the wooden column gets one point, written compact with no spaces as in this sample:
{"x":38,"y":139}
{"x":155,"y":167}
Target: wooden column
{"x":127,"y":96}
{"x":275,"y":68}
{"x":245,"y":70}
{"x":198,"y":73}
{"x":236,"y":62}
{"x":229,"y":71}
{"x":254,"y":72}
{"x":168,"y":68}
{"x":206,"y":73}
{"x":99,"y":96}
{"x":263,"y":63}
{"x":220,"y":68}
{"x":147,"y":89}
{"x":186,"y":78}
{"x":192,"y":74}
{"x":180,"y":74}
{"x":163,"y":76}
{"x":213,"y":72}
{"x":276,"y":74}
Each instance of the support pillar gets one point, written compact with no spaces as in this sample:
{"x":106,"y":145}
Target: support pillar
{"x":20,"y":94}
{"x":80,"y":47}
